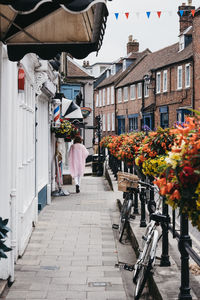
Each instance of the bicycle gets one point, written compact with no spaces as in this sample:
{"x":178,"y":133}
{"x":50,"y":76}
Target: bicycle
{"x":125,"y":213}
{"x":146,"y":261}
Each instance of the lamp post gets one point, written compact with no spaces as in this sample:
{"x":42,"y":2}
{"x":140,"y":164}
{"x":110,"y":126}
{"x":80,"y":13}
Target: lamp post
{"x":100,"y":163}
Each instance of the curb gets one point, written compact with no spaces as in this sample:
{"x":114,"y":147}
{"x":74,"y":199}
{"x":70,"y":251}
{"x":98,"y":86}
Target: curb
{"x":3,"y":286}
{"x":164,"y":278}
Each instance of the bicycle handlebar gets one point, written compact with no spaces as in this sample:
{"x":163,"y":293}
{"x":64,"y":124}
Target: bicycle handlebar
{"x":148,"y":185}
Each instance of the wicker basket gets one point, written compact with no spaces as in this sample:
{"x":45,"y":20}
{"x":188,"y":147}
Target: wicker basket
{"x":126,"y":180}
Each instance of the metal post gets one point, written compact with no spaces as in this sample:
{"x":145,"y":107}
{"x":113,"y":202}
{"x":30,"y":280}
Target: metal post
{"x":136,"y":203}
{"x":125,"y":168}
{"x":165,"y":239}
{"x":184,"y":237}
{"x":100,"y":163}
{"x":131,"y":169}
{"x":143,"y":214}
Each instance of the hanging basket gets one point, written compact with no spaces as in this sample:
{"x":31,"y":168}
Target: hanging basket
{"x":60,"y":135}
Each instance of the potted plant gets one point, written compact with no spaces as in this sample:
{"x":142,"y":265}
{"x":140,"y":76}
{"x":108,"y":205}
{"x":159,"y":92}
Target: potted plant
{"x":3,"y":235}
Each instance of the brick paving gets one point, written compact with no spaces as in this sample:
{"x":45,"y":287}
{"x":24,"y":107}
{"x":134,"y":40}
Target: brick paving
{"x":72,"y":252}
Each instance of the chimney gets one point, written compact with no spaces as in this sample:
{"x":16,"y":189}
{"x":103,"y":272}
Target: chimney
{"x":186,"y":20}
{"x":88,"y":64}
{"x":84,"y":64}
{"x":132,"y":45}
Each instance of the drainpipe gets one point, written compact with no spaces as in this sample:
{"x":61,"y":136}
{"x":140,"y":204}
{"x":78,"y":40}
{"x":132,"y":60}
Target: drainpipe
{"x":142,"y":108}
{"x":115,"y":108}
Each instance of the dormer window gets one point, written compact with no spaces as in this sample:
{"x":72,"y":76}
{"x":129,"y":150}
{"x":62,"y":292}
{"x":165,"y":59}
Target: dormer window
{"x":113,"y":69}
{"x":107,"y":73}
{"x":124,"y":65}
{"x":185,"y":38}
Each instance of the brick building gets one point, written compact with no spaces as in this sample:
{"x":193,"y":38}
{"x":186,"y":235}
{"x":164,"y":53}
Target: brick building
{"x":158,"y":88}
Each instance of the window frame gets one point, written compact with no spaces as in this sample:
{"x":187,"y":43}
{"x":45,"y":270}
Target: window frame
{"x":132,"y":88}
{"x":119,"y":95}
{"x":125,"y":89}
{"x":139,"y":88}
{"x":189,"y":78}
{"x":146,"y":90}
{"x":113,"y":121}
{"x":108,"y":122}
{"x":178,"y":69}
{"x":104,"y":97}
{"x":97,"y":99}
{"x":158,"y":83}
{"x":112,"y":92}
{"x":165,"y":76}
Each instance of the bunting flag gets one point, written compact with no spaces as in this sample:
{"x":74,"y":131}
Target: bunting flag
{"x":148,"y":14}
{"x":181,"y":12}
{"x":193,"y":12}
{"x":127,"y":14}
{"x":116,"y":16}
{"x":159,"y":12}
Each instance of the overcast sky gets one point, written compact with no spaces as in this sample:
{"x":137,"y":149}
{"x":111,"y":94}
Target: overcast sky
{"x":153,"y":33}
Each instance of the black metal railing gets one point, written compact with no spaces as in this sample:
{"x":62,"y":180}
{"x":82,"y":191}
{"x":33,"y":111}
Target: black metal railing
{"x":146,"y":197}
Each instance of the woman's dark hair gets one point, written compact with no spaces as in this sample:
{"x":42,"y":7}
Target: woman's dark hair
{"x":77,"y":139}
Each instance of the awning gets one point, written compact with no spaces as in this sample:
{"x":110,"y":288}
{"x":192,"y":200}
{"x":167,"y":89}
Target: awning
{"x":71,"y":111}
{"x":48,"y":27}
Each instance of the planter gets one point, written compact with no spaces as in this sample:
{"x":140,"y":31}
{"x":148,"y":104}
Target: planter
{"x":61,"y":135}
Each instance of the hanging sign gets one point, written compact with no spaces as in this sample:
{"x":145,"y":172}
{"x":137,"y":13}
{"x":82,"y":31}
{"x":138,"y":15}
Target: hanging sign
{"x":21,"y":80}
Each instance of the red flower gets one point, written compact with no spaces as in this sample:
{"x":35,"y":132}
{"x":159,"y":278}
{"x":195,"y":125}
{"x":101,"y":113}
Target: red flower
{"x":187,"y":175}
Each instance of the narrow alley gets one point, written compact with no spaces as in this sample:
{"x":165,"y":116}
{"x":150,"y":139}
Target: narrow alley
{"x":72,"y":252}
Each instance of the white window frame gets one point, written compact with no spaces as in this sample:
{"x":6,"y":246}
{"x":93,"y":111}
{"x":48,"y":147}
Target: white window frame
{"x":125,"y":91}
{"x":112,"y":95}
{"x":187,"y":79}
{"x":119,"y":95}
{"x":104,"y":97}
{"x":132,"y":92}
{"x":108,"y":95}
{"x":113,"y":69}
{"x":124,"y":65}
{"x":108,"y":122}
{"x":97,"y":99}
{"x":158,"y":82}
{"x":113,"y":121}
{"x":165,"y":81}
{"x":139,"y":90}
{"x":179,"y":87}
{"x":146,"y":90}
{"x":104,"y":122}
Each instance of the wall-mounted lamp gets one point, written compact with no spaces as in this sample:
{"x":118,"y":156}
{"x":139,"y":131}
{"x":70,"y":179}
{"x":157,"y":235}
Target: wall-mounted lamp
{"x":148,"y":78}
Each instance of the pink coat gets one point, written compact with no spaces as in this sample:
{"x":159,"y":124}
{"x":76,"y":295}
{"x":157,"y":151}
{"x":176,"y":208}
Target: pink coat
{"x":77,"y":156}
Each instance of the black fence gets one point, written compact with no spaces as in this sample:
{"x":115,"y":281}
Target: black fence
{"x":146,"y":197}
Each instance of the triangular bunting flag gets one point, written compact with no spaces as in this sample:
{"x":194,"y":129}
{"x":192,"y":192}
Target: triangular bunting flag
{"x":148,"y":14}
{"x":116,"y":15}
{"x":158,"y":13}
{"x":127,"y":15}
{"x":193,"y":12}
{"x":181,"y":12}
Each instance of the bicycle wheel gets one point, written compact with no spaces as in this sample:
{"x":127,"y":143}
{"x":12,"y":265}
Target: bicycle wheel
{"x":143,"y":271}
{"x":124,"y":217}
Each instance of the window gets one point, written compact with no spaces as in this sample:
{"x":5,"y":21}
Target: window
{"x":100,"y":92}
{"x":104,"y":123}
{"x":187,"y":75}
{"x":132,"y":92}
{"x":104,"y":97}
{"x":165,"y":81}
{"x":107,"y":73}
{"x":119,"y":95}
{"x":181,"y":114}
{"x":108,"y":122}
{"x":146,"y":90}
{"x":108,"y":96}
{"x":112,"y":94}
{"x":164,"y":117}
{"x":179,"y":77}
{"x":124,"y":65}
{"x":97,"y":100}
{"x":133,"y":123}
{"x":125,"y":94}
{"x":113,"y":121}
{"x":139,"y":90}
{"x":113,"y":70}
{"x":158,"y":83}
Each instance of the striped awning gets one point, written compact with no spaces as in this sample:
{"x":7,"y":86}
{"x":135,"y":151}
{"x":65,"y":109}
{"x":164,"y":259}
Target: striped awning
{"x":48,"y":27}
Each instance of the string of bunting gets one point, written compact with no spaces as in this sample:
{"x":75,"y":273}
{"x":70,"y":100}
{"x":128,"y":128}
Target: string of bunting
{"x":148,"y":13}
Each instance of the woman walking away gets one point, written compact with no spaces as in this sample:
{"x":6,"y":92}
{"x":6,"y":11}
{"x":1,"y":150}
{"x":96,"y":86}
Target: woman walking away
{"x":77,"y":156}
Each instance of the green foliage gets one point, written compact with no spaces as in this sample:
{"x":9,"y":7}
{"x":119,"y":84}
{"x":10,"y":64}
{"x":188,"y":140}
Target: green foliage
{"x":3,"y":235}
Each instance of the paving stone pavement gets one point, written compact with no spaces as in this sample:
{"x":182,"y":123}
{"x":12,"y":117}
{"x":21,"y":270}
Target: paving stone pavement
{"x":72,"y":252}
